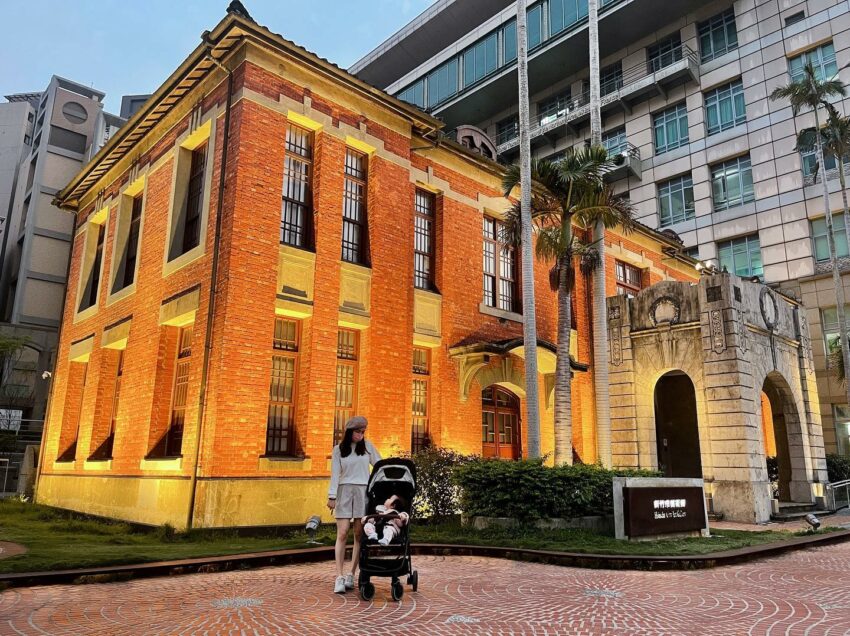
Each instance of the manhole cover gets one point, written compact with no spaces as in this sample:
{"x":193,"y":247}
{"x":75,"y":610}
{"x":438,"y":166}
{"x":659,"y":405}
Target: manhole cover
{"x":457,"y":618}
{"x":603,"y":593}
{"x":235,"y":603}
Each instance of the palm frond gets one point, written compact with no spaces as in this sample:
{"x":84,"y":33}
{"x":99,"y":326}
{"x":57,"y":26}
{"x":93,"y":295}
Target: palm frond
{"x":809,"y":91}
{"x":835,"y":361}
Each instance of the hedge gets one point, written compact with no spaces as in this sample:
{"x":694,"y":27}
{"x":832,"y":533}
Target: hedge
{"x":838,"y":467}
{"x":529,"y":490}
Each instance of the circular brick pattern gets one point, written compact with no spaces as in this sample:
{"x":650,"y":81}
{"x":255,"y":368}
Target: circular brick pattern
{"x":805,"y":592}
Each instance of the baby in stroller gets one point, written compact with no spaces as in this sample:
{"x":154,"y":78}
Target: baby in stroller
{"x":393,"y":515}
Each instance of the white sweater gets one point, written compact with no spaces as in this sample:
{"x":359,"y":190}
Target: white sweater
{"x":353,"y":469}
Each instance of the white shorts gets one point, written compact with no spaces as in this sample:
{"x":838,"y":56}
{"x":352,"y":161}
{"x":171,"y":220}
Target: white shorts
{"x":350,"y":501}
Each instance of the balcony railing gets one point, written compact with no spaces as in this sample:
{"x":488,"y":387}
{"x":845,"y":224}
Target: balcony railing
{"x":627,"y":162}
{"x":646,"y":78}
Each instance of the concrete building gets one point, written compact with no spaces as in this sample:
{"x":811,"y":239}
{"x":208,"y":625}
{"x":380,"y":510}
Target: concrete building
{"x":215,"y":340}
{"x":17,"y":120}
{"x":685,"y":89}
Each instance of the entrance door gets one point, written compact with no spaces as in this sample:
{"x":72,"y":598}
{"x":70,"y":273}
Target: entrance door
{"x":676,"y":429}
{"x":500,"y":424}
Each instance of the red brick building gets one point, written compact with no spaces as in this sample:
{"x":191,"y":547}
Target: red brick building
{"x":212,"y":337}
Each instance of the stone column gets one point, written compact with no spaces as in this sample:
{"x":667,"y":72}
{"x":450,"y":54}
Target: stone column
{"x":624,"y":430}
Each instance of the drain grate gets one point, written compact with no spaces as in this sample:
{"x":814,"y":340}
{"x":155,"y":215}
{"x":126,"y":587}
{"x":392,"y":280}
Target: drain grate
{"x":236,"y":603}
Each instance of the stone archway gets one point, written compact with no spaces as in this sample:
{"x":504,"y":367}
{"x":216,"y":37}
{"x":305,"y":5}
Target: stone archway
{"x":676,"y":426}
{"x":788,"y":436}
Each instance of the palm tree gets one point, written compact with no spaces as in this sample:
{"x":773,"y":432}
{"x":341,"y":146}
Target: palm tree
{"x":567,"y":192}
{"x":600,"y":323}
{"x":529,"y":313}
{"x":812,"y":92}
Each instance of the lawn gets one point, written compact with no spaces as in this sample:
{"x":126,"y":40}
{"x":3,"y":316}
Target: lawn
{"x":58,"y":540}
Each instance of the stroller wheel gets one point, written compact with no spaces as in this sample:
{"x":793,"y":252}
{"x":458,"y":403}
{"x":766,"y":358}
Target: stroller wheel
{"x":367,"y":591}
{"x":413,"y":580}
{"x":397,"y":590}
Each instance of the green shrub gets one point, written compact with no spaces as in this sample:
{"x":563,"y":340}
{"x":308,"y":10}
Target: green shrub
{"x":529,"y":490}
{"x":436,"y":494}
{"x":838,"y":467}
{"x":166,"y":533}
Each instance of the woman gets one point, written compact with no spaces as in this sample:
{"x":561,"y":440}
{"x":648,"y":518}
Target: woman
{"x":350,"y":465}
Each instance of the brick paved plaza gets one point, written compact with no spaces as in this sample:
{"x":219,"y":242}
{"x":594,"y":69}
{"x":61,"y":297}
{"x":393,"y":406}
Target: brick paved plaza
{"x":805,"y":592}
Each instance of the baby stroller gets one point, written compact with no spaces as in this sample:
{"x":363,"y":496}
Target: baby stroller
{"x":389,"y":477}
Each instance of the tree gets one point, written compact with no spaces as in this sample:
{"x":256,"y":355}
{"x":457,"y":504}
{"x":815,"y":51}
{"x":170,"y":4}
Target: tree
{"x":600,"y":322}
{"x":567,"y":192}
{"x":811,"y":92}
{"x":16,"y":389}
{"x":529,"y":312}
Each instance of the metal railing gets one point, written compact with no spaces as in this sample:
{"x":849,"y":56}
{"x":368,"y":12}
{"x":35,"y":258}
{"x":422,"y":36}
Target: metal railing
{"x":13,"y":445}
{"x":632,"y":79}
{"x":838,"y":495}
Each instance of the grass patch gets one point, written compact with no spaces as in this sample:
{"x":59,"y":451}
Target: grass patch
{"x":59,"y":540}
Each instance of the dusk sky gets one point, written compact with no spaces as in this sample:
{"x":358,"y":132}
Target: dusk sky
{"x":122,"y":47}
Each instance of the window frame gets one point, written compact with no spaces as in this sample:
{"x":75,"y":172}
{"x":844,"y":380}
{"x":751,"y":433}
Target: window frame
{"x":820,"y":64}
{"x":625,"y":286}
{"x":719,"y":22}
{"x":747,"y":241}
{"x":722,"y":172}
{"x":342,"y":412}
{"x":424,"y":231}
{"x":288,"y":350}
{"x":507,"y":130}
{"x":91,"y":266}
{"x":297,"y":200}
{"x":552,"y":108}
{"x":661,"y":121}
{"x":682,"y":183}
{"x":839,"y":235}
{"x":487,"y":49}
{"x":420,"y":429}
{"x":355,"y":197}
{"x":497,"y":277}
{"x":714,"y":98}
{"x":664,"y":53}
{"x":172,"y":444}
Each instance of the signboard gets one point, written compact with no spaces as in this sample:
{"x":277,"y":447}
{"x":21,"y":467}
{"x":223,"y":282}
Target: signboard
{"x":646,"y":507}
{"x":657,"y":511}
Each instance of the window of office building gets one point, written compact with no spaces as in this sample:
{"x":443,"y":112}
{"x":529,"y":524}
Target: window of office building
{"x":535,"y":25}
{"x":732,"y":183}
{"x":615,"y":141}
{"x":841,"y":418}
{"x":297,"y":206}
{"x":819,"y":234}
{"x":670,"y":128}
{"x":500,"y":268}
{"x":442,"y":83}
{"x":507,"y":130}
{"x":509,"y":42}
{"x":676,"y":200}
{"x":552,"y":108}
{"x":822,"y":59}
{"x":725,"y":107}
{"x":355,"y":228}
{"x":280,"y":426}
{"x":664,"y":53}
{"x":611,"y":79}
{"x":741,"y":256}
{"x":414,"y":94}
{"x":565,"y":13}
{"x":717,"y":35}
{"x":481,"y":59}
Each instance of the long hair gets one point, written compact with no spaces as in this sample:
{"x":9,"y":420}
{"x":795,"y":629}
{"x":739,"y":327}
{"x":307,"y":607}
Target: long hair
{"x":345,"y":444}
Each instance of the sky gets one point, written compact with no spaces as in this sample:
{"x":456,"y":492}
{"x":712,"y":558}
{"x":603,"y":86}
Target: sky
{"x":126,"y":47}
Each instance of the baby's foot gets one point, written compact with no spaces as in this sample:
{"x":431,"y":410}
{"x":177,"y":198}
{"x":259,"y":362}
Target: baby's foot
{"x":384,"y":541}
{"x":372,"y":537}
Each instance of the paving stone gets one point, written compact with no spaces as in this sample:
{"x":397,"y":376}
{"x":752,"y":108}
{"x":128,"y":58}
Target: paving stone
{"x":804,"y":592}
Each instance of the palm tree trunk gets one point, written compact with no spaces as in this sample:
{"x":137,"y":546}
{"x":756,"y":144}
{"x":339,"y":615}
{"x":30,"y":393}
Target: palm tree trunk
{"x":600,"y":324}
{"x":830,"y":239}
{"x":529,"y":313}
{"x":844,"y":341}
{"x":563,"y":372}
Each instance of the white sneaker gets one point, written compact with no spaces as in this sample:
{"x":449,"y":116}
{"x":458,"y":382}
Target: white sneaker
{"x":349,"y":581}
{"x":339,"y":586}
{"x":372,"y":537}
{"x":384,"y":541}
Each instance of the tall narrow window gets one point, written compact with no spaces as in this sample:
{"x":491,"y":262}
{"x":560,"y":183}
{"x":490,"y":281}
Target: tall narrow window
{"x":296,"y":214}
{"x":131,"y":252}
{"x":500,"y":269}
{"x":535,"y":25}
{"x":718,"y":35}
{"x":732,"y":183}
{"x":89,"y":298}
{"x":670,"y":128}
{"x":839,"y":235}
{"x":105,"y":450}
{"x":507,"y":130}
{"x":725,"y":107}
{"x":628,"y":278}
{"x":611,"y":79}
{"x":174,"y":436}
{"x":355,"y":232}
{"x":676,"y":200}
{"x":509,"y":42}
{"x":73,"y":411}
{"x":194,"y":199}
{"x":552,"y":108}
{"x":347,"y":350}
{"x":442,"y":83}
{"x":420,"y":430}
{"x":481,"y":59}
{"x":280,"y":439}
{"x":615,"y":141}
{"x":423,"y":240}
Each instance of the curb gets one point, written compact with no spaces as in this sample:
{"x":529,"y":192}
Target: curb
{"x":311,"y":555}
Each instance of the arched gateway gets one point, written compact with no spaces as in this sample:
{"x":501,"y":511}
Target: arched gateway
{"x":693,"y":366}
